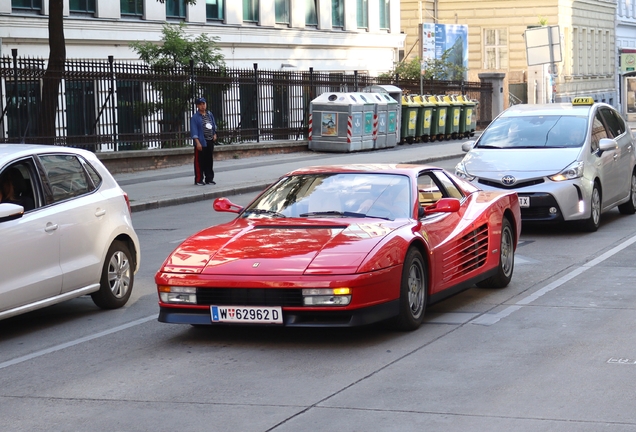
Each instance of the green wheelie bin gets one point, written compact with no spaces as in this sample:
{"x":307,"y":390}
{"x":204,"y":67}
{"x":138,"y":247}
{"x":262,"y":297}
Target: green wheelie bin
{"x":409,"y":119}
{"x":469,"y":115}
{"x":453,"y":117}
{"x":438,"y":125}
{"x":424,"y":118}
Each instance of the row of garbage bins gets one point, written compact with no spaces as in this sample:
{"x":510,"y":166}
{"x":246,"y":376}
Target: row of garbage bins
{"x":381,"y":117}
{"x":437,"y":118}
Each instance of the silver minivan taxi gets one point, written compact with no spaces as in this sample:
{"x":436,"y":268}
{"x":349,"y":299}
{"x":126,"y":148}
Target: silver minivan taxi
{"x":566,"y":161}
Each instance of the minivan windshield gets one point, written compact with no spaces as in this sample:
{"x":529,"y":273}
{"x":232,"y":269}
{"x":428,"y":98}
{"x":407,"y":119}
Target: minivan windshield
{"x":540,"y":131}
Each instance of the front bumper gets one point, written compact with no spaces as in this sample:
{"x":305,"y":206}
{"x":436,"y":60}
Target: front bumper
{"x":293,"y":318}
{"x":552,"y":201}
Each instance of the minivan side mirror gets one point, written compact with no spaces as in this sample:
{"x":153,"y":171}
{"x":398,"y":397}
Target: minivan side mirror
{"x":607,"y":144}
{"x":467,"y":146}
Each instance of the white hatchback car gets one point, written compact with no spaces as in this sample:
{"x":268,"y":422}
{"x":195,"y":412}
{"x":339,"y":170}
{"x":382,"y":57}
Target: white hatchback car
{"x":66,"y":230}
{"x":568,"y":161}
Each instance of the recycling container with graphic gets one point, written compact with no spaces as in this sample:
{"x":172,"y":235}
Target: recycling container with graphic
{"x":424,"y":118}
{"x":469,"y":116}
{"x":409,"y":119}
{"x":438,"y":124}
{"x":394,"y":110}
{"x":341,"y":122}
{"x":453,"y":117}
{"x":387,"y":110}
{"x":380,"y":118}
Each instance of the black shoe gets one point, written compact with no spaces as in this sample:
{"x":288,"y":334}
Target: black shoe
{"x":210,"y":182}
{"x":199,"y":184}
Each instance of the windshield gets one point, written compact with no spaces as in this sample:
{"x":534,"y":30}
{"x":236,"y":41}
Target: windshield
{"x":383,"y":196}
{"x":535,"y":132}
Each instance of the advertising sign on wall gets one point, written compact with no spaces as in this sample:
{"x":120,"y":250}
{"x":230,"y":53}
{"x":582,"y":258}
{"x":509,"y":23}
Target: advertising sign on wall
{"x":439,"y":38}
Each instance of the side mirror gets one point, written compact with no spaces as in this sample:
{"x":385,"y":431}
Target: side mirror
{"x":225,"y":205}
{"x":607,"y":144}
{"x":10,"y":212}
{"x":467,"y":146}
{"x":444,"y":205}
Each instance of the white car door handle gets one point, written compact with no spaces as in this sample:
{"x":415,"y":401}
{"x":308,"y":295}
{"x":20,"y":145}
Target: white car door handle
{"x":100,"y":212}
{"x":50,"y":227}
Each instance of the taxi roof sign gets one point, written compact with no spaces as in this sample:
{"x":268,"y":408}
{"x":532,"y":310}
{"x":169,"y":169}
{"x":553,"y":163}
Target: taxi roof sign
{"x":583,"y":101}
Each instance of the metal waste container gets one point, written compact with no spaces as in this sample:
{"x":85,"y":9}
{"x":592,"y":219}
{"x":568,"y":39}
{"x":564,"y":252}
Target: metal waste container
{"x":394,"y":110}
{"x":388,"y":110}
{"x":409,"y":119}
{"x":453,"y":117}
{"x":341,"y":122}
{"x":424,"y":118}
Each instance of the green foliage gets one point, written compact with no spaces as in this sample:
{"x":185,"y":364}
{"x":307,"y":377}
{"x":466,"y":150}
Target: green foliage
{"x":177,"y":49}
{"x":443,"y":68}
{"x":170,"y":60}
{"x":437,"y":69}
{"x":406,"y":70}
{"x":543,"y":21}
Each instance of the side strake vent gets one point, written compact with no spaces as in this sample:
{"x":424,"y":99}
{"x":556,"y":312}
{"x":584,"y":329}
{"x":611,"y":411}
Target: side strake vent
{"x":469,"y":253}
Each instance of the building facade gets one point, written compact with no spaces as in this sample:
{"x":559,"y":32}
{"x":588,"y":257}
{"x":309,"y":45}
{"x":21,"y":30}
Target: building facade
{"x":496,"y":40}
{"x":328,"y":35}
{"x":626,"y":50}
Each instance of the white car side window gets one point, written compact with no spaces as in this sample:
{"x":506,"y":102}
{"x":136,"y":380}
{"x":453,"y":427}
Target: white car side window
{"x":66,"y":176}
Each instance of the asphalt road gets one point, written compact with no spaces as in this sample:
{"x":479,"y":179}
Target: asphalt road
{"x":554,"y":351}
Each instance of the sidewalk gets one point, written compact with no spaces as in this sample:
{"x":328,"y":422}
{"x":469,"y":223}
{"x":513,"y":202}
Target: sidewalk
{"x":173,"y":186}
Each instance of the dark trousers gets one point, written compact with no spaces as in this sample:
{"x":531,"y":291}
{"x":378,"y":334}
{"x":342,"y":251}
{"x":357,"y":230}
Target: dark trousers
{"x":203,"y":164}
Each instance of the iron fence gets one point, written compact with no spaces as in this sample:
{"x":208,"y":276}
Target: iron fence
{"x":110,"y":106}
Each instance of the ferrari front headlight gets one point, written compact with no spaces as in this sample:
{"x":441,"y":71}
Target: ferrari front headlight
{"x":177,"y":295}
{"x":573,"y":171}
{"x":326,"y":296}
{"x":461,"y":172}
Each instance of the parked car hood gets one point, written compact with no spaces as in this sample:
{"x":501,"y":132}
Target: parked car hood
{"x":281,"y":247}
{"x":521,"y":163}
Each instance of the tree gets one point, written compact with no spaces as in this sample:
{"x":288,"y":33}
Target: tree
{"x":171,"y":62}
{"x":55,"y":70}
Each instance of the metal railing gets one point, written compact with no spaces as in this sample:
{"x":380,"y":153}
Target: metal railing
{"x":110,"y":106}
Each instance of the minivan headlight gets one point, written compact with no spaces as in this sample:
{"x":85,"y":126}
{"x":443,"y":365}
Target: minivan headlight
{"x":461,"y":172}
{"x":573,"y":171}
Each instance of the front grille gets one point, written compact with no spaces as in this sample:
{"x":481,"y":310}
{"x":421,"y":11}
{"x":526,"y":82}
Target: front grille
{"x":249,"y":297}
{"x":469,"y":254}
{"x":518,"y":185}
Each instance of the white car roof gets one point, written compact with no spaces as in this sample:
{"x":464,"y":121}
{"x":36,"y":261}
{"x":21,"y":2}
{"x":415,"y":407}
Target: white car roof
{"x":551,"y":109}
{"x":9,"y":152}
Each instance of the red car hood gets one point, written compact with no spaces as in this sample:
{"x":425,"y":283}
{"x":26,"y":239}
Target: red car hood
{"x":271,"y":247}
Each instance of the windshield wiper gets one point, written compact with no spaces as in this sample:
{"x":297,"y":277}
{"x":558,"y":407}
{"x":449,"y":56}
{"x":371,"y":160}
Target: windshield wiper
{"x":264,"y":212}
{"x":486,"y":146}
{"x":341,"y":214}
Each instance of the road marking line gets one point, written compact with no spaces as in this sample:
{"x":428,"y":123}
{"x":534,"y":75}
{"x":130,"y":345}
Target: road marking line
{"x":75,"y":342}
{"x":490,"y":319}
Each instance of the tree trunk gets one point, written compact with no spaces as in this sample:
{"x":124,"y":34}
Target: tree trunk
{"x":54,"y":73}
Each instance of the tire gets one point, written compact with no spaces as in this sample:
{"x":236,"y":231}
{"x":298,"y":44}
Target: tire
{"x":592,"y":223}
{"x":117,"y":279}
{"x":413,"y":292}
{"x":506,"y":259}
{"x":629,"y":207}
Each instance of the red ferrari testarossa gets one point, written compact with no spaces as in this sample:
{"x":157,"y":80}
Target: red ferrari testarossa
{"x":340,"y":246}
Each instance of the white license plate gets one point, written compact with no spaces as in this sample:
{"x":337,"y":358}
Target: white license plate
{"x":524,"y":201}
{"x":247,"y":314}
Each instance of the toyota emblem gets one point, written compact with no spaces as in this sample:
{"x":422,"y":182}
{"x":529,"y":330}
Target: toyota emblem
{"x":508,"y":180}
